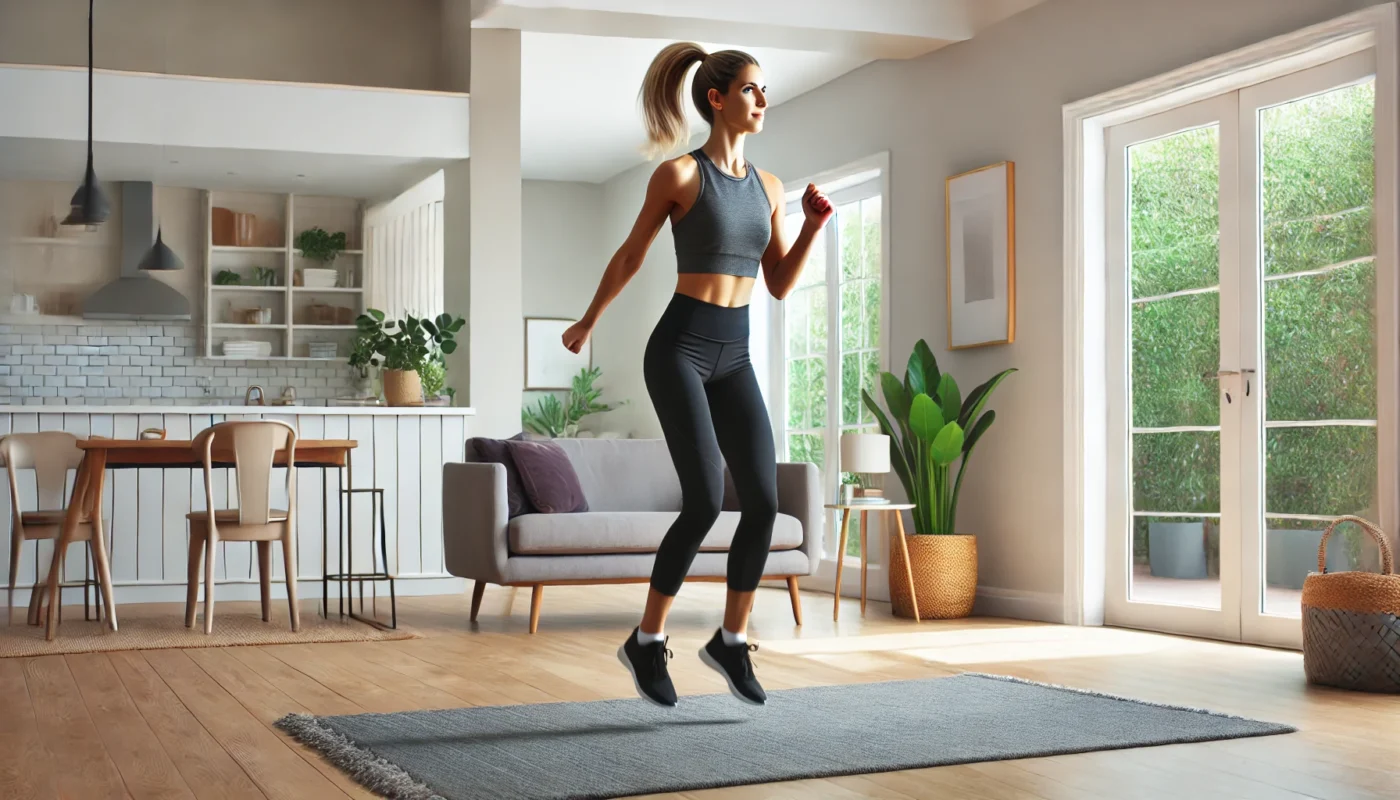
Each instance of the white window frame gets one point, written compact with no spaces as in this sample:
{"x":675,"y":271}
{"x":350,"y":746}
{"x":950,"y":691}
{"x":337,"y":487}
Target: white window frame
{"x":857,"y":180}
{"x":1085,"y":291}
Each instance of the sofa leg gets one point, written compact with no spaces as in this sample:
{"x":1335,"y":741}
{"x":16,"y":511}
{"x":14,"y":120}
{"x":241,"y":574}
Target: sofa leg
{"x":796,"y":599}
{"x":536,"y":593}
{"x":478,"y":590}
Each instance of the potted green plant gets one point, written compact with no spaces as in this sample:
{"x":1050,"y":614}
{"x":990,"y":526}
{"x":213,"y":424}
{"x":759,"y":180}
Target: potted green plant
{"x":555,"y":418}
{"x":318,"y":245}
{"x":404,"y":348}
{"x":932,"y":428}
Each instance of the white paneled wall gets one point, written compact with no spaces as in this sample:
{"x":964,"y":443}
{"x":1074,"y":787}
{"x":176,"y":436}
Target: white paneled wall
{"x":145,"y":509}
{"x":404,"y":252}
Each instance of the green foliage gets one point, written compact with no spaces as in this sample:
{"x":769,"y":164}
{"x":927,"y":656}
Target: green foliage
{"x":410,"y":344}
{"x":553,"y":417}
{"x":227,"y":277}
{"x":318,"y":245}
{"x":1317,"y":184}
{"x":930,"y":428}
{"x":434,"y":377}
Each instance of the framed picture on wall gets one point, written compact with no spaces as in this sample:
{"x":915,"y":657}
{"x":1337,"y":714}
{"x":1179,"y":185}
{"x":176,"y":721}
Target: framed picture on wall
{"x":980,"y":225}
{"x":548,"y":363}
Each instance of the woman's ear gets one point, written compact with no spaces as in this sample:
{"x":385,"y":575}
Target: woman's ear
{"x":716,"y":99}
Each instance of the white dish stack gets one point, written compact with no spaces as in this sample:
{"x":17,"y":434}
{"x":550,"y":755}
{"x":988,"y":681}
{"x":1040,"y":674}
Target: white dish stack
{"x":247,"y":349}
{"x":318,"y":278}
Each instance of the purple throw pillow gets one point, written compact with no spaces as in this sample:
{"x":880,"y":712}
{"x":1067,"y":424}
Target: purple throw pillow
{"x":482,"y":449}
{"x":549,"y":479}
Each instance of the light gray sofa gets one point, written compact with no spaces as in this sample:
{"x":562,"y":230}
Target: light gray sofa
{"x":633,"y":496}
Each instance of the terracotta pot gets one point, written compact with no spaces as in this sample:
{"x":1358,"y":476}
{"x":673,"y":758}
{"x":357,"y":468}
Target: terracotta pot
{"x":945,"y":576}
{"x":402,"y":388}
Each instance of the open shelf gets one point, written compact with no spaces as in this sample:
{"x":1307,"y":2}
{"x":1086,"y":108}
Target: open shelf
{"x":279,"y":218}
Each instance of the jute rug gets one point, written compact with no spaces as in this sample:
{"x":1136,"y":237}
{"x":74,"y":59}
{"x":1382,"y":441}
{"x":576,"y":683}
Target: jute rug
{"x":167,"y":630}
{"x":614,"y":748}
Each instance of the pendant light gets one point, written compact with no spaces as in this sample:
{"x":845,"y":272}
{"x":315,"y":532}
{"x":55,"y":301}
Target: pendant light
{"x":160,"y":257}
{"x":89,"y":205}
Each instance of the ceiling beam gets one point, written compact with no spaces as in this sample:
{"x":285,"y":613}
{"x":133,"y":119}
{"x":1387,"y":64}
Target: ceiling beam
{"x":868,"y":29}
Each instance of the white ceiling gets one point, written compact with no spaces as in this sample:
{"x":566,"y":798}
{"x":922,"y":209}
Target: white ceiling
{"x":582,"y":61}
{"x":578,"y":94}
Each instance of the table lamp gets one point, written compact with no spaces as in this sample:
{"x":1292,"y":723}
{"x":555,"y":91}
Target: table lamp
{"x":866,"y":455}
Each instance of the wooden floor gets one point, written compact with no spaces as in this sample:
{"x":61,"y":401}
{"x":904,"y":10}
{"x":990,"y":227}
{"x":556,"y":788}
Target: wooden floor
{"x":198,"y":723}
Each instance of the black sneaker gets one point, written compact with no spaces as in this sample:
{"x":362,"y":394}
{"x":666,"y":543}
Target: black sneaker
{"x":732,"y":661}
{"x":647,"y":663}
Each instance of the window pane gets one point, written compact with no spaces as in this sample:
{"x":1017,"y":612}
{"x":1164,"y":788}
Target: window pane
{"x":795,"y":312}
{"x":852,"y":240}
{"x":1318,"y":179}
{"x":1177,"y":473}
{"x":870,"y":379}
{"x":816,"y":392}
{"x":1320,"y":346}
{"x":852,"y":326}
{"x":872,"y":314}
{"x":797,"y":400}
{"x":850,"y":388}
{"x":814,"y":271}
{"x":816,"y":321}
{"x":1173,"y":210}
{"x":1329,"y":471}
{"x":1176,"y":344}
{"x":870,"y":212}
{"x":1176,"y":561}
{"x":806,"y":447}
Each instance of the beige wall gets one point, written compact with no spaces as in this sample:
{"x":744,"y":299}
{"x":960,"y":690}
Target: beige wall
{"x":994,"y":98}
{"x":390,"y":43}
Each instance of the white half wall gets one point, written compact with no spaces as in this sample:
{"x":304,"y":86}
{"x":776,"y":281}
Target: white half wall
{"x":996,"y":97}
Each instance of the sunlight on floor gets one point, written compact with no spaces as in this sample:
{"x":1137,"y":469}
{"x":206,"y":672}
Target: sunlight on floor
{"x":991,"y":644}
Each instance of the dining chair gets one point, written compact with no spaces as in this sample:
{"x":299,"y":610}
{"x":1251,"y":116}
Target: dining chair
{"x":50,"y":455}
{"x":251,"y":446}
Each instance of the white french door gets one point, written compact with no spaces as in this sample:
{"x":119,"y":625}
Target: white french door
{"x":1247,"y":367}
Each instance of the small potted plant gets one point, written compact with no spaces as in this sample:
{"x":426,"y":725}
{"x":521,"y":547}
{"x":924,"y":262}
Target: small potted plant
{"x":320,"y":246}
{"x":931,"y":428}
{"x":405,"y":348}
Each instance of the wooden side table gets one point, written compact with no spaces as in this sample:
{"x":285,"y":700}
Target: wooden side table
{"x":865,"y":509}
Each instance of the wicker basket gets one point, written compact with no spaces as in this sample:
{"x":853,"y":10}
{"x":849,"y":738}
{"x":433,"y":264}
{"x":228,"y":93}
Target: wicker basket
{"x":1351,"y":622}
{"x":402,"y":388}
{"x":945,"y":576}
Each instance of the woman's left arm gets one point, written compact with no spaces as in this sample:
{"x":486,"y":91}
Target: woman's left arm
{"x":783,"y":262}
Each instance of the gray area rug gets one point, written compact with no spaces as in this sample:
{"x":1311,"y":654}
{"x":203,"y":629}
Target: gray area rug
{"x":615,"y":748}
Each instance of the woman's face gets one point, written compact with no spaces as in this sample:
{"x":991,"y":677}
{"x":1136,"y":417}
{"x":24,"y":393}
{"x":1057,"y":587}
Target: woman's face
{"x":743,"y":107}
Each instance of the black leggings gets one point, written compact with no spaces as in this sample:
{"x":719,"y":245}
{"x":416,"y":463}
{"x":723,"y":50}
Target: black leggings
{"x":706,"y":396}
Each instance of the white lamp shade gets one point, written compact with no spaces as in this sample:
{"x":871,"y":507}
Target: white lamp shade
{"x":865,"y":452}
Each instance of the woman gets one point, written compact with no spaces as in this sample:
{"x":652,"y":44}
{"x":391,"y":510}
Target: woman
{"x":727,"y":220}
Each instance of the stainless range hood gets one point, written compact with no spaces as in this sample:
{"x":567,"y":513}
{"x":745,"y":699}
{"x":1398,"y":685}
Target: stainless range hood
{"x":136,"y":295}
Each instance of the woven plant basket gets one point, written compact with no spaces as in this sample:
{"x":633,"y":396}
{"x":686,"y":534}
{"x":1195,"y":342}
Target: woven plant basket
{"x":945,"y":576}
{"x":402,"y":388}
{"x":1351,"y":621}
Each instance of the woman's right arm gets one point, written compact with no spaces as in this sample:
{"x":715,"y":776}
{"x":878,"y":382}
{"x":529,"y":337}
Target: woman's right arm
{"x":662,"y":190}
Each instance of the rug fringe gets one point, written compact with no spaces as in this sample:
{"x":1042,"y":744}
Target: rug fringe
{"x":1125,"y":698}
{"x":371,"y":771}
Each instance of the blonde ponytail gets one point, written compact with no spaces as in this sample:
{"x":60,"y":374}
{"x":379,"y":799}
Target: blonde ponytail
{"x":663,"y":86}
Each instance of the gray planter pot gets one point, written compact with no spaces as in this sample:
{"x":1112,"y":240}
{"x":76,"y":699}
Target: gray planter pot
{"x":1291,"y":555}
{"x":1177,"y":549}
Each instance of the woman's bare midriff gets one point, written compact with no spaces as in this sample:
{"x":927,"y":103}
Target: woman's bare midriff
{"x":730,"y":291}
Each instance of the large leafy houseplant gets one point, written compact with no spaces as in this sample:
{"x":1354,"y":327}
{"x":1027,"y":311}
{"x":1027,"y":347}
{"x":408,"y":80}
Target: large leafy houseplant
{"x":931,"y":427}
{"x":552,"y":417}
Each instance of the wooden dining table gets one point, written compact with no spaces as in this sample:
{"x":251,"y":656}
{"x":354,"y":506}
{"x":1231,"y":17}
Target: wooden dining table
{"x":104,"y":454}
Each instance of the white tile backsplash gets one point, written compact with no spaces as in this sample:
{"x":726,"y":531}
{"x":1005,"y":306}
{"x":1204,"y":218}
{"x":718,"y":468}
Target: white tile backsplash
{"x":139,"y":363}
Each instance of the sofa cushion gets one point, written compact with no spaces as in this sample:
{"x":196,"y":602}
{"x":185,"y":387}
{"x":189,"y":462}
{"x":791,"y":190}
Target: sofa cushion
{"x":604,"y":532}
{"x":625,"y":474}
{"x":493,"y":451}
{"x":547,"y":476}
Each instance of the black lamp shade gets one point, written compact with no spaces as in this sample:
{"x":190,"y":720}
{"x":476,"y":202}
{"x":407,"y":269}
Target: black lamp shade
{"x":160,"y":257}
{"x":89,"y":204}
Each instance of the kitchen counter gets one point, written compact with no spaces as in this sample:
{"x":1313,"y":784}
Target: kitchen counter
{"x":397,"y":411}
{"x":399,"y":450}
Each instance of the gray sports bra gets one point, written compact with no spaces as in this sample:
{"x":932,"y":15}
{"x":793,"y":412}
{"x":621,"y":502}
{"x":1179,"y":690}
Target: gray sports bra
{"x":728,"y":228}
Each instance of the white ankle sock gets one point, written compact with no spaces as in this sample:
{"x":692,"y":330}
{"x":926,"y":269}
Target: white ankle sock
{"x":732,"y":639}
{"x":650,"y":638}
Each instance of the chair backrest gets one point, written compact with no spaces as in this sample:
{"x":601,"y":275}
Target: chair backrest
{"x":250,"y":445}
{"x":50,"y":454}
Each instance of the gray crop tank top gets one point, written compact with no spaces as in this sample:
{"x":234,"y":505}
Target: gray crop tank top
{"x":727,"y":229}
